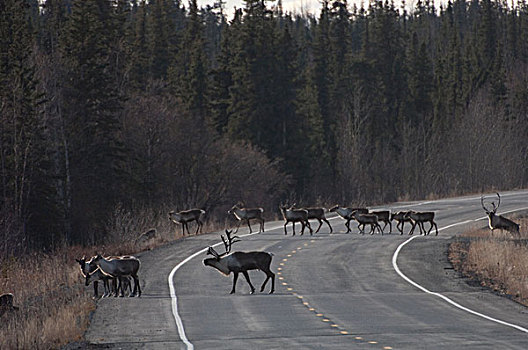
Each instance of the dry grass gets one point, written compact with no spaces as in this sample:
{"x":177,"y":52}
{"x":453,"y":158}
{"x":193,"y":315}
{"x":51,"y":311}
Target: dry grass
{"x":53,"y":304}
{"x":499,"y":262}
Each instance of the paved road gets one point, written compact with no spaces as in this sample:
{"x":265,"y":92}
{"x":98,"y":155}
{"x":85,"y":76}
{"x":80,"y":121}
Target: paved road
{"x":333,"y":291}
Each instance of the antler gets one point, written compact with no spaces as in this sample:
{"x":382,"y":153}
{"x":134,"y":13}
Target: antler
{"x":213,"y":252}
{"x":230,"y":240}
{"x":498,"y":205}
{"x":482,"y":203}
{"x":495,"y":207}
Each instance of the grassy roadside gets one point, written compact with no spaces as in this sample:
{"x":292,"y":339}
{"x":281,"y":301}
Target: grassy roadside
{"x":498,"y":262}
{"x":54,"y":305}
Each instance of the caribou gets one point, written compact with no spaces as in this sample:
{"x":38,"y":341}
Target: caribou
{"x":185,"y":216}
{"x":346,"y":213}
{"x":401,"y":218}
{"x":99,"y":275}
{"x":241,"y":262}
{"x":247,"y":214}
{"x":498,"y":221}
{"x":295,"y":215}
{"x":86,"y":269}
{"x":118,"y":268}
{"x":146,"y":236}
{"x":385,"y":217}
{"x":418,"y":218}
{"x":317,"y":214}
{"x":367,"y":219}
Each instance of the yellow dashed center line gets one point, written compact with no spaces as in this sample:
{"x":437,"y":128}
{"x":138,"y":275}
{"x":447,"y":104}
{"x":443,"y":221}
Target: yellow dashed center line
{"x":318,"y":314}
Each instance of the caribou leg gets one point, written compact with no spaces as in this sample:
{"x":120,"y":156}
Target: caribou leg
{"x":320,"y":224}
{"x":235,"y":278}
{"x":436,"y":227}
{"x":328,"y":225}
{"x":269,"y":275}
{"x":95,"y":289}
{"x":347,"y":224}
{"x":398,"y":227}
{"x":412,"y":228}
{"x":246,"y":275}
{"x":137,"y":287}
{"x":249,"y":225}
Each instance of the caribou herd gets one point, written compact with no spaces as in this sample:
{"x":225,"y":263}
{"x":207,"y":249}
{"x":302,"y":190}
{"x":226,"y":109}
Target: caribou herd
{"x":116,"y":273}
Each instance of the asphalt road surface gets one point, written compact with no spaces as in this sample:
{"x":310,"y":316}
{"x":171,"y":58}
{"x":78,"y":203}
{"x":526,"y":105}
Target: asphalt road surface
{"x":333,"y":291}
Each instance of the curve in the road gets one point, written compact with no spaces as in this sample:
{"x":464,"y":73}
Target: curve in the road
{"x":174,"y":297}
{"x":441,"y":296}
{"x":190,"y":346}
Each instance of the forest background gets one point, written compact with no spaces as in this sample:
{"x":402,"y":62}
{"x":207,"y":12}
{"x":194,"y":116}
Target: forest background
{"x":121,"y":108}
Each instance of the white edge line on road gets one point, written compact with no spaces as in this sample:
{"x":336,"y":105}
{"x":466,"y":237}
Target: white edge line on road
{"x":439,"y":295}
{"x":190,"y":346}
{"x":174,"y":298}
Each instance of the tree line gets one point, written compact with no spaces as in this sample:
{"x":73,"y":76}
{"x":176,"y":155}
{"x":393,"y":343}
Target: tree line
{"x":112,"y":104}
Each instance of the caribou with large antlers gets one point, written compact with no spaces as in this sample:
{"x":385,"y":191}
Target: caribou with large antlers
{"x":185,"y":216}
{"x":241,"y":262}
{"x":246,"y":214}
{"x":498,"y":221}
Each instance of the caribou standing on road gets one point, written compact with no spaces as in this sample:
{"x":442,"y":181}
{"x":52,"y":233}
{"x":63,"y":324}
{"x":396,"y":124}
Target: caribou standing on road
{"x":401,"y":218}
{"x":186,"y":216}
{"x":247,"y":214}
{"x":418,"y":218}
{"x":367,"y":219}
{"x":295,"y":215}
{"x":86,"y":269}
{"x":241,"y":262}
{"x":385,"y":217}
{"x":498,"y":221}
{"x":97,"y":276}
{"x":347,"y":214}
{"x":317,"y":214}
{"x":119,"y":268}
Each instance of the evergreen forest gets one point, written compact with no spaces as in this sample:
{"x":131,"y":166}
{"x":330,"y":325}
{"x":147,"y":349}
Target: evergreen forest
{"x":126,"y":106}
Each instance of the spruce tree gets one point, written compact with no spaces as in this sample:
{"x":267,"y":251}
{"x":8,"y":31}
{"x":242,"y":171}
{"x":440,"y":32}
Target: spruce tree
{"x":92,"y":110}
